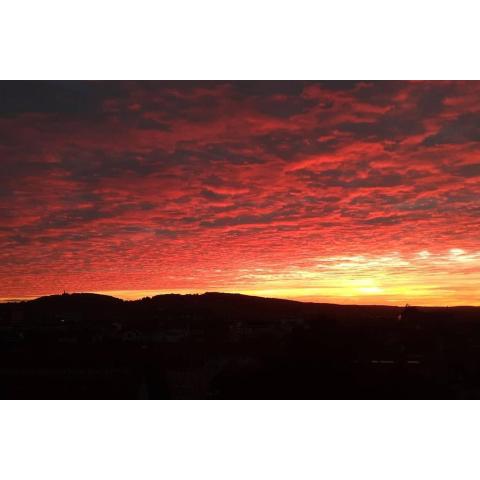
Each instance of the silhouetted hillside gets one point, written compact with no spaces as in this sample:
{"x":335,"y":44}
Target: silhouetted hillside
{"x":218,"y":345}
{"x":78,"y":300}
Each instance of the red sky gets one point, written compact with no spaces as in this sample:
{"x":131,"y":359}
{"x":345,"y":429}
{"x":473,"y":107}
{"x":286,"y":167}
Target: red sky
{"x":348,"y":192}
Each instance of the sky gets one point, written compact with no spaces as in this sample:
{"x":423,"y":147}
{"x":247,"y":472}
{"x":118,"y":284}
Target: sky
{"x":348,"y":192}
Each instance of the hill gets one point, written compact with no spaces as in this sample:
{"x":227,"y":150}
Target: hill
{"x":220,"y":345}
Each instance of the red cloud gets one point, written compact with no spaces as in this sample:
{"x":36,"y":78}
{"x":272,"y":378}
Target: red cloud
{"x":246,"y":186}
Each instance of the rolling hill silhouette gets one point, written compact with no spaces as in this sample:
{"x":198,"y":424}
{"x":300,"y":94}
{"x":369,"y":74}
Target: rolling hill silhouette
{"x":221,"y":345}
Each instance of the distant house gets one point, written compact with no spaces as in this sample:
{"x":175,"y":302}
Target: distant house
{"x":172,"y":334}
{"x":244,"y":329}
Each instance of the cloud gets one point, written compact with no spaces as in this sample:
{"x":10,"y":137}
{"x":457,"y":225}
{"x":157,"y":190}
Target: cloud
{"x":464,"y":128}
{"x":468,"y":170}
{"x":141,"y":185}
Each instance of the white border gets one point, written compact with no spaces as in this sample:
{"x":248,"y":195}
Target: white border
{"x":239,"y":40}
{"x":253,"y":39}
{"x":239,"y":440}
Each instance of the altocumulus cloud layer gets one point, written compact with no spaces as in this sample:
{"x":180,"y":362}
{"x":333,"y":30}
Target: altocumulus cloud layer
{"x":345,"y":191}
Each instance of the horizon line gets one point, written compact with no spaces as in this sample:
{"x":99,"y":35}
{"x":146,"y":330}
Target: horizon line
{"x":115,"y":294}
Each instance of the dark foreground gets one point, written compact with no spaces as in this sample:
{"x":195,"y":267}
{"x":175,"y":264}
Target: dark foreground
{"x":223,"y":346}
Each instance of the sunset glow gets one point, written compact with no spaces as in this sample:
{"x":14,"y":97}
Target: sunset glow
{"x":344,"y":192}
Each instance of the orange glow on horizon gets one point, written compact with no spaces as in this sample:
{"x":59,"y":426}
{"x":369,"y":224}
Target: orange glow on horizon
{"x":353,"y":280}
